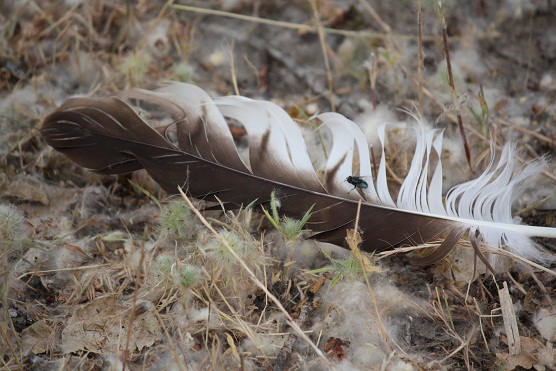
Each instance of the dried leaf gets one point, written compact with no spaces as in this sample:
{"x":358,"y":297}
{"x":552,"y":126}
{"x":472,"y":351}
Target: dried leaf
{"x":101,"y":325}
{"x":36,"y":338}
{"x":334,"y":348}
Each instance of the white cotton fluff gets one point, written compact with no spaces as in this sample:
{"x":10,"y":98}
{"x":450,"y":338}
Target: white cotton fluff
{"x":545,"y":322}
{"x":348,"y":313}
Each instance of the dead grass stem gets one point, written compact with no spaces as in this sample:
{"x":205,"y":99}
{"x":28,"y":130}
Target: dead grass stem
{"x":354,"y":239}
{"x":452,"y":84}
{"x":325,"y":50}
{"x":311,"y":28}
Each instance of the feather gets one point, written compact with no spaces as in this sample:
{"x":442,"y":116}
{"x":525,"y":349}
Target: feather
{"x":107,"y":136}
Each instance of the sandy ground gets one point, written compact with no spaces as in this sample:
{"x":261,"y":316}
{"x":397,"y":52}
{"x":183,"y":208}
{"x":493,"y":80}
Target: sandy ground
{"x":97,"y":275}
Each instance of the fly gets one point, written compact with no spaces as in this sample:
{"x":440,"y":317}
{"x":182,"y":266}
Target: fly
{"x":357,"y":182}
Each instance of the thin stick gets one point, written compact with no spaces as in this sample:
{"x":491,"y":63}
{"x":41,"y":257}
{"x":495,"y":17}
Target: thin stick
{"x":133,"y":311}
{"x":481,"y":324}
{"x":309,"y":28}
{"x":371,"y":67}
{"x":10,"y":345}
{"x":353,"y":244}
{"x":383,"y":25}
{"x":233,"y":69}
{"x":420,"y":65}
{"x":462,"y":345}
{"x":321,"y":32}
{"x":452,"y":85}
{"x":170,"y":341}
{"x":95,"y":266}
{"x":543,"y":138}
{"x":302,"y":311}
{"x":484,"y":248}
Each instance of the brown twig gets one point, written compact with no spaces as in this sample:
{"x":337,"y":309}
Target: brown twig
{"x":452,"y":85}
{"x":375,"y":167}
{"x":542,"y":138}
{"x":324,"y":48}
{"x":354,"y":240}
{"x":420,"y":65}
{"x":383,"y":25}
{"x":310,"y":28}
{"x":133,"y":314}
{"x":479,"y":135}
{"x":371,"y":67}
{"x":10,"y":345}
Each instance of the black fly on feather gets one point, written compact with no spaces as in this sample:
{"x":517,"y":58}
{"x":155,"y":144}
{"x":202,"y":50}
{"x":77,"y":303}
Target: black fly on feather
{"x":278,"y":162}
{"x":359,"y":184}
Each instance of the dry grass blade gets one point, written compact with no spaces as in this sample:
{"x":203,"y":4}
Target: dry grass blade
{"x":452,"y":85}
{"x":354,"y":240}
{"x":420,"y":62}
{"x":13,"y":350}
{"x":306,"y":28}
{"x":138,"y":278}
{"x":483,"y":249}
{"x":324,"y":48}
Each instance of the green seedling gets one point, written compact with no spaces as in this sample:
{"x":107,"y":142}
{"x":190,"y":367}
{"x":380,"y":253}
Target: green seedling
{"x":11,"y":224}
{"x":164,"y":264}
{"x":183,"y":72}
{"x":135,"y":66}
{"x":348,"y":267}
{"x":216,"y":249}
{"x":145,"y":192}
{"x":288,"y":227}
{"x":188,"y":276}
{"x":482,"y":117}
{"x":175,"y":217}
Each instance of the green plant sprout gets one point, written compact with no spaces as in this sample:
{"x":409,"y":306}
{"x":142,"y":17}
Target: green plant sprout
{"x":175,"y":217}
{"x":188,"y":276}
{"x":217,"y":250}
{"x":135,"y":66}
{"x":237,"y":220}
{"x":289,"y":228}
{"x":11,"y":224}
{"x":164,"y":264}
{"x":145,"y":192}
{"x":348,"y":267}
{"x":183,"y":72}
{"x":482,"y":117}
